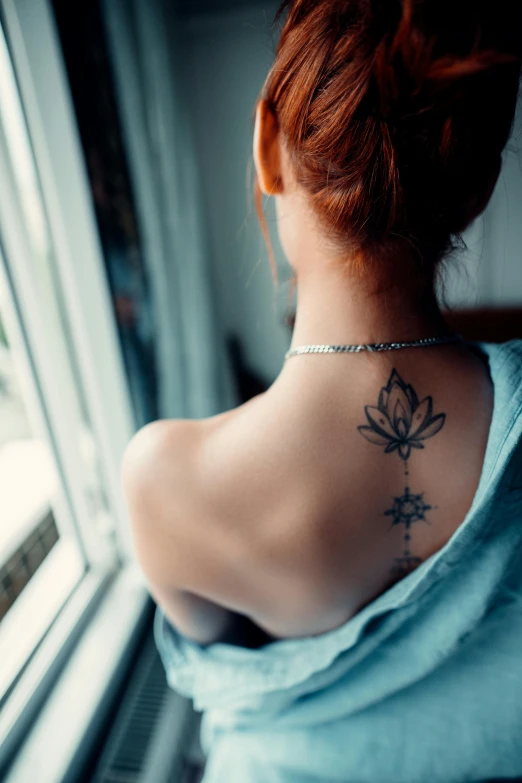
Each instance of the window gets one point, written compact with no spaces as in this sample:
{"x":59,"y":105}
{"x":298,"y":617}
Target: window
{"x":39,"y":395}
{"x":28,"y":480}
{"x":61,"y":432}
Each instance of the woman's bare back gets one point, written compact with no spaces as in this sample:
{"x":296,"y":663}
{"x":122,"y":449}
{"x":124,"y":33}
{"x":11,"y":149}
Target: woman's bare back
{"x":343,"y":477}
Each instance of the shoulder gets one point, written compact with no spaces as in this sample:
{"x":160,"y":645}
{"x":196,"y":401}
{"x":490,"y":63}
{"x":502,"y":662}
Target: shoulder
{"x":176,"y":466}
{"x":158,"y":449}
{"x":172,"y":446}
{"x":177,"y":501}
{"x":228,"y":508}
{"x":174,"y":543}
{"x":159,"y":483}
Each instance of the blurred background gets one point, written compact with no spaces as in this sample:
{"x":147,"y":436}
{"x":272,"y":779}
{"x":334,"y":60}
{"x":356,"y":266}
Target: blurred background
{"x":176,"y":84}
{"x":135,"y":285}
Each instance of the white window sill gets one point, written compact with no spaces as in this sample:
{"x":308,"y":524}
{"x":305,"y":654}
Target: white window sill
{"x":27,"y":484}
{"x":52,"y":746}
{"x":36,"y":608}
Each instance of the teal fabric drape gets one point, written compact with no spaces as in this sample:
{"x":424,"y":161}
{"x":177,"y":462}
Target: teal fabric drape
{"x":423,"y":684}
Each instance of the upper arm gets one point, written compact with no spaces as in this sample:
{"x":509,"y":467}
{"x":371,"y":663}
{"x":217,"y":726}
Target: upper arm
{"x":159,"y":484}
{"x":178,"y":550}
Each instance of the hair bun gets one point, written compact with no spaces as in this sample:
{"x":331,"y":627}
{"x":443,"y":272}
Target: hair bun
{"x":430,"y":51}
{"x":395,"y":114}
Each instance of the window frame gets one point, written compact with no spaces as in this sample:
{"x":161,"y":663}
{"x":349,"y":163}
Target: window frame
{"x":35,"y":51}
{"x":103,"y":554}
{"x":50,"y":719}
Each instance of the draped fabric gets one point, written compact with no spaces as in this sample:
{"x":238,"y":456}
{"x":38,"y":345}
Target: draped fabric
{"x":423,"y":684}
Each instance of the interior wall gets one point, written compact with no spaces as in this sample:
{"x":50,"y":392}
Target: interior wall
{"x":227,"y":55}
{"x":504,"y":235}
{"x":489,"y":273}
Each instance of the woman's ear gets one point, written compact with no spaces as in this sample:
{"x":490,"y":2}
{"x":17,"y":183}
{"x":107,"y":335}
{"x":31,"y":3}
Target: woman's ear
{"x":267,"y":157}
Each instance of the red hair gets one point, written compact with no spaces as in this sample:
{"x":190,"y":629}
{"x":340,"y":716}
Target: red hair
{"x":394,"y":114}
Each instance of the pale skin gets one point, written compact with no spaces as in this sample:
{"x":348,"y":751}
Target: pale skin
{"x":276,"y":510}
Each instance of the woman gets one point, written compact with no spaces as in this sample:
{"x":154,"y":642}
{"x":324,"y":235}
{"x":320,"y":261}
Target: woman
{"x":336,"y":562}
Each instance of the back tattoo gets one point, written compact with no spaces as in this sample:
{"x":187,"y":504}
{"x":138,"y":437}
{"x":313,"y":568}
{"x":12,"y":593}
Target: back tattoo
{"x":401,"y":423}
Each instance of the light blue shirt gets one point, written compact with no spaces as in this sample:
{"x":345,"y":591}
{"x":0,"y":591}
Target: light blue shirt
{"x":422,"y":685}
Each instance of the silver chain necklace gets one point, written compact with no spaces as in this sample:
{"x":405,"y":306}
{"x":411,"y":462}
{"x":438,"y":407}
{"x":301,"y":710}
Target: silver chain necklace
{"x":425,"y":341}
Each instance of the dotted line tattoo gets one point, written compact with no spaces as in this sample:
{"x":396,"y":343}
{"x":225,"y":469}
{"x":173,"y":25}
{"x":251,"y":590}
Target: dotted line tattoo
{"x":401,"y":423}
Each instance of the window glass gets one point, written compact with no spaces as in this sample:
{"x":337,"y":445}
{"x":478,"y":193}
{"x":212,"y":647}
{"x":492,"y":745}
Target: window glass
{"x":27,"y":483}
{"x":53,"y":501}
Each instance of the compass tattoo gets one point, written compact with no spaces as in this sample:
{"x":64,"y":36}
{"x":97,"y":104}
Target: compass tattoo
{"x":401,"y":423}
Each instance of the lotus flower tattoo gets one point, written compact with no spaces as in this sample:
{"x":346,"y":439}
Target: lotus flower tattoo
{"x":399,"y":421}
